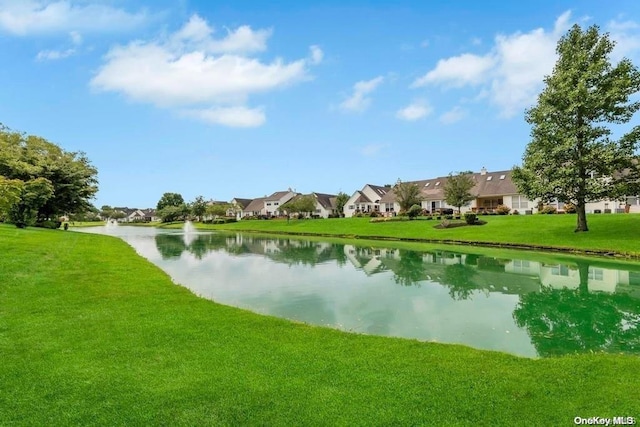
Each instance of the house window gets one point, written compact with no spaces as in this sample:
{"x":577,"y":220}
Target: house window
{"x":388,"y":207}
{"x":269,"y":204}
{"x":519,"y":202}
{"x":437,"y":183}
{"x":502,"y":176}
{"x":351,"y":207}
{"x":596,"y":274}
{"x":560,"y":270}
{"x":276,"y":203}
{"x":427,"y":184}
{"x":521,"y":265}
{"x":489,"y":178}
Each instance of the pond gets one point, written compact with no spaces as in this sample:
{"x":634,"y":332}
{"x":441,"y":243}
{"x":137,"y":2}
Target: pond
{"x":528,"y":304}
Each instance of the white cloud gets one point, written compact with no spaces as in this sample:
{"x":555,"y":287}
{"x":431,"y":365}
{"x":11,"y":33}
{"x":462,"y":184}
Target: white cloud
{"x":230,"y":116}
{"x":458,"y":71}
{"x":415,"y":111}
{"x":626,"y":34}
{"x":359,"y":101}
{"x":510,"y":75}
{"x":197,"y":34}
{"x":191,"y":69}
{"x":453,"y":116}
{"x":316,"y":54}
{"x":51,"y":55}
{"x":26,"y":17}
{"x":76,"y":38}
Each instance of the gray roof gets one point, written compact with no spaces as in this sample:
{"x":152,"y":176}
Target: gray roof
{"x":242,"y":202}
{"x":256,"y":205}
{"x":277,"y":196}
{"x":327,"y":201}
{"x":487,"y":185}
{"x":362,"y":198}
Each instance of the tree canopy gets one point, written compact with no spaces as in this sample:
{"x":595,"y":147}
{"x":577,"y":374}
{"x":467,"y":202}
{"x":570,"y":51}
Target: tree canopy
{"x":457,"y":189}
{"x":170,"y":199}
{"x":572,"y":157}
{"x":300,"y":205}
{"x":407,"y":195}
{"x":52,"y":181}
{"x":341,"y":200}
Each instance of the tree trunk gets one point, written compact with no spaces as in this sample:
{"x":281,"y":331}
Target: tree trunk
{"x":582,"y":217}
{"x":583,"y":269}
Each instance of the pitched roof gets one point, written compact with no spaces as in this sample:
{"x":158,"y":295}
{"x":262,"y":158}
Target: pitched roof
{"x":243,"y":203}
{"x":256,"y":205}
{"x":494,"y":184}
{"x":277,"y":195}
{"x":497,"y":183}
{"x":362,"y":198}
{"x":325,"y":200}
{"x":379,"y":189}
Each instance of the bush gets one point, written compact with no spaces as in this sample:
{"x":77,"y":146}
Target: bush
{"x":548,"y":210}
{"x":470,"y":218}
{"x":570,"y":208}
{"x":374,"y":214}
{"x":502,"y":209}
{"x":515,"y":212}
{"x":414,"y":211}
{"x":53,"y":225}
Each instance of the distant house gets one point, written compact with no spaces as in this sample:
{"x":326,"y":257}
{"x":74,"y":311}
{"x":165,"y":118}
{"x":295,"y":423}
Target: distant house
{"x":238,"y":205}
{"x":491,"y":189}
{"x":273,"y":202}
{"x":366,"y":200}
{"x":325,"y":204}
{"x":254,"y":208}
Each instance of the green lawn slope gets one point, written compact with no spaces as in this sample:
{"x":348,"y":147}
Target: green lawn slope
{"x":609,"y":234}
{"x":92,"y":334}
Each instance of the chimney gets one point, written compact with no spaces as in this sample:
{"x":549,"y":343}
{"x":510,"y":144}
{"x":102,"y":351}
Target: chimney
{"x":483,"y":171}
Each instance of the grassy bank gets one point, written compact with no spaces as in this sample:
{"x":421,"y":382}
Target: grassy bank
{"x":92,"y":334}
{"x":609,"y":234}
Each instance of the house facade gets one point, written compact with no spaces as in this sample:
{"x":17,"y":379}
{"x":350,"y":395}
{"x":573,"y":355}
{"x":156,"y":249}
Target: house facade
{"x":366,"y":200}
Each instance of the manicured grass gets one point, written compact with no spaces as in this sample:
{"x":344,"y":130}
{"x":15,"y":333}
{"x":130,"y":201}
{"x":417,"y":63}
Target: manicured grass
{"x":92,"y":334}
{"x":615,"y":233}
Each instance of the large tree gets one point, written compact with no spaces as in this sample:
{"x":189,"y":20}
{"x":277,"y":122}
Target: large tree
{"x":407,"y":195}
{"x":572,"y":156}
{"x":70,"y":174}
{"x":300,"y":205}
{"x":199,"y":207}
{"x":457,"y":189}
{"x":341,"y":200}
{"x":170,"y":199}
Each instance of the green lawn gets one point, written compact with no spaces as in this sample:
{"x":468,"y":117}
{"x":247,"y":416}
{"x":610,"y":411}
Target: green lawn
{"x":92,"y":334}
{"x":615,"y":233}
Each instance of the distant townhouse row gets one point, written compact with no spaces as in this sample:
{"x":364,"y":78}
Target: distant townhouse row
{"x":491,"y":189}
{"x":269,"y":206}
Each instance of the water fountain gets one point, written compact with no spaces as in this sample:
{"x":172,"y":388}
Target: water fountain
{"x":189,"y":232}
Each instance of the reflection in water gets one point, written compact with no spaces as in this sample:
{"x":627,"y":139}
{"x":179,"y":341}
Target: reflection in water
{"x":522,"y":306}
{"x":561,"y":321}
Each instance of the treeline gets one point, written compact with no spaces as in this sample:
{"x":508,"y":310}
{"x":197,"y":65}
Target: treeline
{"x":40,"y":182}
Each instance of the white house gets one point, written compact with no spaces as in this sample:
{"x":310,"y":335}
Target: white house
{"x":365,"y":200}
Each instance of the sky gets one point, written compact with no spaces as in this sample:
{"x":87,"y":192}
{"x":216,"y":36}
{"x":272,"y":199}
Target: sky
{"x":243,"y":98}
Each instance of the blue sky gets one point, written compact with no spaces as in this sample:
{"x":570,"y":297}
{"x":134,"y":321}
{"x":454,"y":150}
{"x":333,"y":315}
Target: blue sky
{"x":244,"y":98}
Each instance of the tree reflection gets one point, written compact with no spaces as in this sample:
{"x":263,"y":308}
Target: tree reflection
{"x":459,"y":279}
{"x":410,"y":269}
{"x":170,"y":245}
{"x":562,"y":321}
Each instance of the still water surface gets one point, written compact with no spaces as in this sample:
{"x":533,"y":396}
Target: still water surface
{"x":530,"y":307}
